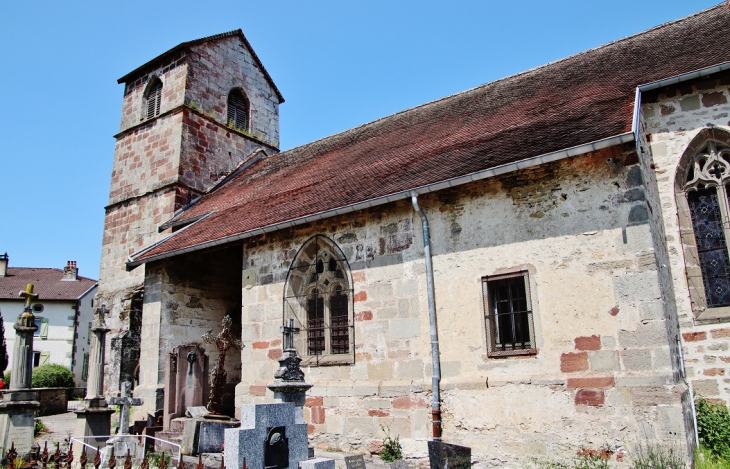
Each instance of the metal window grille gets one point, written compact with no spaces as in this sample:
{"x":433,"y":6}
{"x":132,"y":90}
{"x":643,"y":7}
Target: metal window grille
{"x":237,"y":110}
{"x":154,"y":99}
{"x":319,"y":297}
{"x":509,"y":323}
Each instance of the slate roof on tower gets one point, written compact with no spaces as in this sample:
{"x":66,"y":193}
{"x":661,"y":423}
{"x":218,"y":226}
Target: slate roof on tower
{"x":48,"y":284}
{"x":188,"y":44}
{"x":587,"y":97}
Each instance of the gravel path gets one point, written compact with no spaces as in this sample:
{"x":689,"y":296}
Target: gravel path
{"x":60,"y":429}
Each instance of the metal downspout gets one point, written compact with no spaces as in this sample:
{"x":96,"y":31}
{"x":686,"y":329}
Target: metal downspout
{"x":436,"y":379}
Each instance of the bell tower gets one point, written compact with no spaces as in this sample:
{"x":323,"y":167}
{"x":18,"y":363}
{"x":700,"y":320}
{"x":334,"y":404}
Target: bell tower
{"x":189,"y":117}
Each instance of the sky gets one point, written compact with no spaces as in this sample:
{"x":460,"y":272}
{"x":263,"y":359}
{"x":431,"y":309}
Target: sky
{"x":338,"y":64}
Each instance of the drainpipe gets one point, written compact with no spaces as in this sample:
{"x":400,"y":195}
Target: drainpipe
{"x":436,"y":379}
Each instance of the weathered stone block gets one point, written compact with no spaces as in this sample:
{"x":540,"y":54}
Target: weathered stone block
{"x":588,"y":343}
{"x":590,"y":397}
{"x":690,"y":103}
{"x":636,"y":359}
{"x":572,"y":362}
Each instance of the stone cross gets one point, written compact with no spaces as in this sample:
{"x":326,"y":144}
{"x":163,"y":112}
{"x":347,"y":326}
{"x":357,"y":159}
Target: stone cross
{"x":289,"y":332}
{"x":23,"y":349}
{"x":28,"y":295}
{"x":125,"y":401}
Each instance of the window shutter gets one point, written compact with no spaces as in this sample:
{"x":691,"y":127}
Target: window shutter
{"x":85,"y":368}
{"x":154,"y":100}
{"x":44,"y":329}
{"x":45,"y":358}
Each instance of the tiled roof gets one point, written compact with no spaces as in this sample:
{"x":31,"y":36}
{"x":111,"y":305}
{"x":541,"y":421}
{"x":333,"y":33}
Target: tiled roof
{"x":47,"y":284}
{"x":584,"y":98}
{"x":184,"y":45}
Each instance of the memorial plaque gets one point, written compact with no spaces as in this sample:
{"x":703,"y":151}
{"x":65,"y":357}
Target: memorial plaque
{"x":355,"y":462}
{"x":197,"y":411}
{"x":399,"y":464}
{"x":444,"y":455}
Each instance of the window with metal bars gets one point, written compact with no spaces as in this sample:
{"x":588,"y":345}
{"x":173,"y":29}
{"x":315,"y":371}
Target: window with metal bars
{"x":508,"y":315}
{"x":318,"y":296}
{"x":237,"y":110}
{"x":154,"y":98}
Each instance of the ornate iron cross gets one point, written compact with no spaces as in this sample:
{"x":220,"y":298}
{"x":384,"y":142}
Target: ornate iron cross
{"x":289,"y":332}
{"x":224,"y":341}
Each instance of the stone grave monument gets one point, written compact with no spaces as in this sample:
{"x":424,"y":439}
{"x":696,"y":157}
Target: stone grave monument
{"x":186,"y":381}
{"x":93,"y":418}
{"x":274,"y":436}
{"x":18,"y":407}
{"x":124,"y":443}
{"x":448,"y":456}
{"x":205,"y":435}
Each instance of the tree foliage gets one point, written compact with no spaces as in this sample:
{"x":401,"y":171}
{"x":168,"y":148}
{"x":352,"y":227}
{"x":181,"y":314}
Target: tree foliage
{"x":3,"y":346}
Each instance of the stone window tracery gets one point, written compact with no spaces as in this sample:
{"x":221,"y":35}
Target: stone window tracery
{"x":318,"y":296}
{"x":708,"y":204}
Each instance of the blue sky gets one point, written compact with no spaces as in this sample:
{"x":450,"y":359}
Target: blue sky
{"x":338,"y":64}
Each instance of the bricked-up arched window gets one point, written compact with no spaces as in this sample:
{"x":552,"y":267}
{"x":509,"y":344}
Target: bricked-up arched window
{"x":318,"y":296}
{"x":704,"y":213}
{"x":153,"y":98}
{"x":237,"y":110}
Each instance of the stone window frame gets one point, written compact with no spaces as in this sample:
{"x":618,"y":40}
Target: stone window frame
{"x":487,"y":282}
{"x":157,"y":106}
{"x":693,"y":271}
{"x":247,"y":104}
{"x":298,"y":289}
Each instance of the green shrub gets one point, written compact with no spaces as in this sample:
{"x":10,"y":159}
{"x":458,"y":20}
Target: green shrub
{"x":713,"y":426}
{"x":52,"y":376}
{"x":658,"y":455}
{"x":392,"y":450}
{"x":6,"y":379}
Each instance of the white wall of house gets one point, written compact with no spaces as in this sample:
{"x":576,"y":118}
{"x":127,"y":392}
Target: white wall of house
{"x":58,"y":343}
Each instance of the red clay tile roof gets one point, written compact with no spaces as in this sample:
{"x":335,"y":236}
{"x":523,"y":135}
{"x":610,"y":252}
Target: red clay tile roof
{"x":583,"y":98}
{"x":47,"y":283}
{"x":184,"y":45}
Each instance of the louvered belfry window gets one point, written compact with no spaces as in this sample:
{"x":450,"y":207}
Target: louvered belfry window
{"x":237,"y":110}
{"x":154,"y":99}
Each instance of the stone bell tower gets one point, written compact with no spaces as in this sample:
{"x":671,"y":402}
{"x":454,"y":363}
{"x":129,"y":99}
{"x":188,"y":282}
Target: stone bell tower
{"x":189,"y":117}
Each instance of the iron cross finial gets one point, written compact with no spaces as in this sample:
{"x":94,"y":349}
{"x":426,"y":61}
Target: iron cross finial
{"x":28,"y":295}
{"x":289,"y":332}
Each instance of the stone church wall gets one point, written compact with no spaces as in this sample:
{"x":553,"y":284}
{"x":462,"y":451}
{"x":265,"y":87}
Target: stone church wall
{"x":672,"y":118}
{"x":602,"y":374}
{"x":218,"y":67}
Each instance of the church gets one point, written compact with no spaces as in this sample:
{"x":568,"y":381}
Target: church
{"x":533,"y":266}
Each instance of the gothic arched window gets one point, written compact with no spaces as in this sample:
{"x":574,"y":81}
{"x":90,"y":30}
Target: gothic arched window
{"x":237,"y":110}
{"x":153,"y":98}
{"x":704,"y":179}
{"x":318,"y":296}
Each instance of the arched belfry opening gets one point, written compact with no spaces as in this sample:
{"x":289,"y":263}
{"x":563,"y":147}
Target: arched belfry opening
{"x":318,"y":295}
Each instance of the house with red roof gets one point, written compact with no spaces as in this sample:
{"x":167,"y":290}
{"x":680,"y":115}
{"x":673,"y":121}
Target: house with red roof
{"x":63,"y":312}
{"x":533,"y":266}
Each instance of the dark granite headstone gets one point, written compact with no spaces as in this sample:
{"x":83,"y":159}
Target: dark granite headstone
{"x":211,"y":435}
{"x":355,"y":462}
{"x":444,"y":455}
